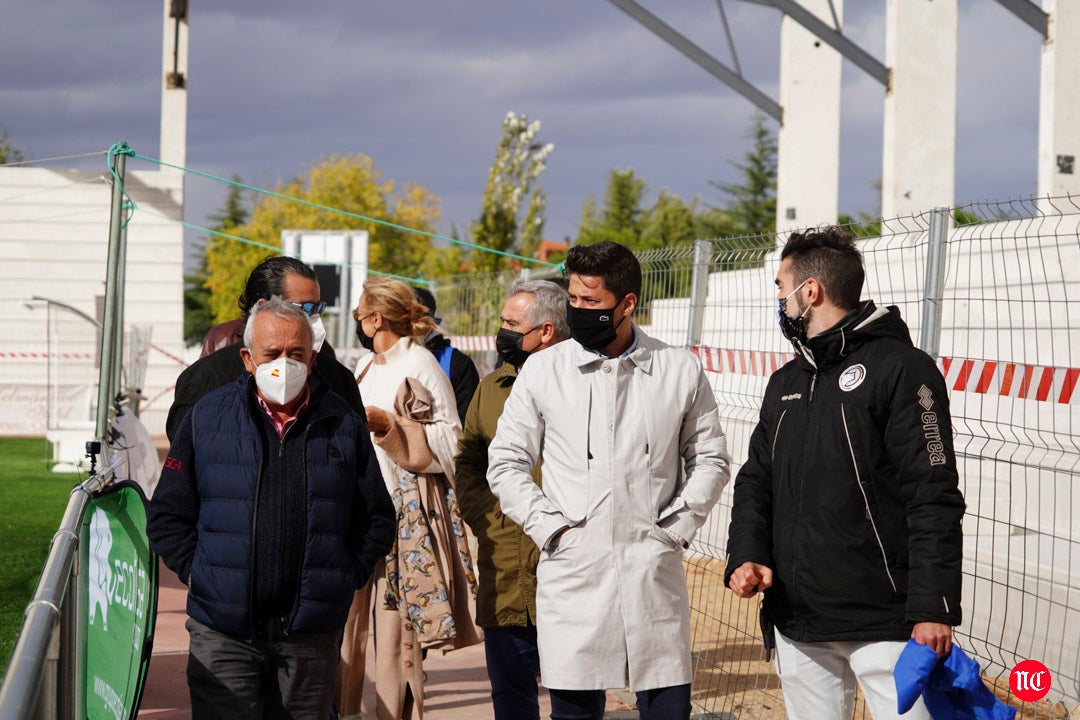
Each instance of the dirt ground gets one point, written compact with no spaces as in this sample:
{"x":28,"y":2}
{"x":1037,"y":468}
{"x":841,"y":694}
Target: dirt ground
{"x":733,"y":680}
{"x":731,"y":677}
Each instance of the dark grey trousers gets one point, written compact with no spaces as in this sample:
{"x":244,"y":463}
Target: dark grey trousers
{"x":230,"y":678}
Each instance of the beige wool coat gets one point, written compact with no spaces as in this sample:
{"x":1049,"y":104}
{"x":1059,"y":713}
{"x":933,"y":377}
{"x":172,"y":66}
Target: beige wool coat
{"x":631,"y":447}
{"x":427,"y":449}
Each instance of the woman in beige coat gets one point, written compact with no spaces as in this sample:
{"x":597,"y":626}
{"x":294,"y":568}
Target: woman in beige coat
{"x":422,"y":596}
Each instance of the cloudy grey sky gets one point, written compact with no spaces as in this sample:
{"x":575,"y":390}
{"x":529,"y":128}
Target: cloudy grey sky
{"x":421,"y":87}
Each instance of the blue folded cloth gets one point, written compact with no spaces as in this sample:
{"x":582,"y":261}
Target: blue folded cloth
{"x":952,"y":688}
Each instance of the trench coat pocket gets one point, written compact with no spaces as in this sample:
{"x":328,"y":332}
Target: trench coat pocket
{"x":569,"y":539}
{"x":662,"y":537}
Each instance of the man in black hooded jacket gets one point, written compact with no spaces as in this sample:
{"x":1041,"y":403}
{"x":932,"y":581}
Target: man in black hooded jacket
{"x":847,"y":511}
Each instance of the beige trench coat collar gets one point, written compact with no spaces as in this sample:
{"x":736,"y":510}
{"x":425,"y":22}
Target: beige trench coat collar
{"x":642,"y":356}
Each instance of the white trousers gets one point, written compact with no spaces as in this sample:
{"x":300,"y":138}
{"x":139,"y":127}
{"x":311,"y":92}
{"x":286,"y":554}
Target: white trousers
{"x":819,"y":679}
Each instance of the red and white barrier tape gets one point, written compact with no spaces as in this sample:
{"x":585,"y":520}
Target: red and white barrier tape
{"x":473,"y":343}
{"x":45,"y":356}
{"x":75,"y":356}
{"x":169,"y":355}
{"x":742,"y":362}
{"x":982,"y":377}
{"x":1014,"y":380}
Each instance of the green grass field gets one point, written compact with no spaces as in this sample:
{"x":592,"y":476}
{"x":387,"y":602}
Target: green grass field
{"x":32,"y":500}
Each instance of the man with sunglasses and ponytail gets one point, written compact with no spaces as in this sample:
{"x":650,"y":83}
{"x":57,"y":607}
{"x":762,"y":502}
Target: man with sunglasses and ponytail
{"x":627,"y":432}
{"x":294,"y":282}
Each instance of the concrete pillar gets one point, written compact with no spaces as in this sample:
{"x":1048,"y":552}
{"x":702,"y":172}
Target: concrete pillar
{"x":1059,"y":103}
{"x":808,"y":144}
{"x":174,"y":54}
{"x":918,"y":170}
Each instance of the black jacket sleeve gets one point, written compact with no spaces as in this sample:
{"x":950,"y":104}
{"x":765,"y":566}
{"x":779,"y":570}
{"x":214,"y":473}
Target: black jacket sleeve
{"x":919,"y":440}
{"x":204,"y":375}
{"x":750,"y":531}
{"x":464,"y":378}
{"x":341,"y":380}
{"x":184,"y":398}
{"x":171,"y":522}
{"x":374,"y":520}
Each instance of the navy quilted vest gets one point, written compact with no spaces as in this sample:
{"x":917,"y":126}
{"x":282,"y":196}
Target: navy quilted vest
{"x":228,"y":452}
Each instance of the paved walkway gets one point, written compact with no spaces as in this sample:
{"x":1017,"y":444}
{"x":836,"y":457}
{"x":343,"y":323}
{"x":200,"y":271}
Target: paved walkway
{"x":457,"y":686}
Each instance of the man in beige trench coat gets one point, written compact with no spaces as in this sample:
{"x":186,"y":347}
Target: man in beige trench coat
{"x":634,"y":458}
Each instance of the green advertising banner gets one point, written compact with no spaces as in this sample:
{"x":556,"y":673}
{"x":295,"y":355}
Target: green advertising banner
{"x":118,"y":592}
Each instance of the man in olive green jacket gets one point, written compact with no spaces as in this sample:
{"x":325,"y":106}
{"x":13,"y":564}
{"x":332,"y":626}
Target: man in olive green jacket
{"x":533,"y":318}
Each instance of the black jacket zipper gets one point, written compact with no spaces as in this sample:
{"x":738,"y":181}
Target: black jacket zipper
{"x":798,"y":502}
{"x":251,"y":559}
{"x":300,"y":569}
{"x":866,"y":500}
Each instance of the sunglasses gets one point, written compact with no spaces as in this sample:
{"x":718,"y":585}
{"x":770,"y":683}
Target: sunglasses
{"x":311,"y":308}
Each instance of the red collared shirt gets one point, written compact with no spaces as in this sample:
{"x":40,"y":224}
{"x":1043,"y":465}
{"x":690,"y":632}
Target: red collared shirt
{"x":282,"y":426}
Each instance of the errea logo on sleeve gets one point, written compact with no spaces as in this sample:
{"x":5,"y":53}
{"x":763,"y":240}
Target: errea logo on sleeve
{"x":935,"y":449}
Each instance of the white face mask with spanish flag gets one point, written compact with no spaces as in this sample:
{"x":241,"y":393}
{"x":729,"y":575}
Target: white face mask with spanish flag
{"x":281,"y":380}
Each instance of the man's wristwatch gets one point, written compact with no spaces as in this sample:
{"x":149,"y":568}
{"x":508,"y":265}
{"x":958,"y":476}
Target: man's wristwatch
{"x":676,"y":538}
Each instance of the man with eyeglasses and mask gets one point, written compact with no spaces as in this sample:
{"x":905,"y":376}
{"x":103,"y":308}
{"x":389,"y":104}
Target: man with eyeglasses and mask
{"x":272,"y":509}
{"x":533,"y":318}
{"x":847,"y":513}
{"x":295,"y":283}
{"x":627,"y":431}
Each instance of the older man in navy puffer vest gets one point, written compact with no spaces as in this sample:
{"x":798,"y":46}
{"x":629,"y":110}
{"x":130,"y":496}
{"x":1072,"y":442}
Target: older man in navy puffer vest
{"x":272,"y":509}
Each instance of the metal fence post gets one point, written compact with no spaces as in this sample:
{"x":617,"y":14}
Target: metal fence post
{"x":113,"y":295}
{"x":699,"y":290}
{"x":934,"y":285}
{"x":121,"y":280}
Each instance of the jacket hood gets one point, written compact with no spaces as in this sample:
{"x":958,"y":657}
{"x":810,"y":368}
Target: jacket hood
{"x":436,"y":341}
{"x":864,"y":323}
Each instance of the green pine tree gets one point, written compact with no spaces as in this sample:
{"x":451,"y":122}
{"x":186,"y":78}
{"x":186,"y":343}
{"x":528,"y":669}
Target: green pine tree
{"x":198,"y":315}
{"x":752,"y":202}
{"x":7,"y":152}
{"x":620,"y":219}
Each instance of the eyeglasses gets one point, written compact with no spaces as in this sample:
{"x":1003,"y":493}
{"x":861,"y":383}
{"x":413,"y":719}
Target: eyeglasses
{"x":311,"y":308}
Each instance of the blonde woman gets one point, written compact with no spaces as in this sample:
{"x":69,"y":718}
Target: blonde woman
{"x":422,"y":594}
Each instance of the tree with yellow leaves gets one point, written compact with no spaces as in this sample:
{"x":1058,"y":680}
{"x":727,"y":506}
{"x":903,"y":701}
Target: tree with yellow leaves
{"x":344,"y":182}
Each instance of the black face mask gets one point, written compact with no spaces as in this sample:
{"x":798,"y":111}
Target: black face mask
{"x":594,"y":329}
{"x":508,"y":346}
{"x":368,"y":343}
{"x":793,"y":328}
